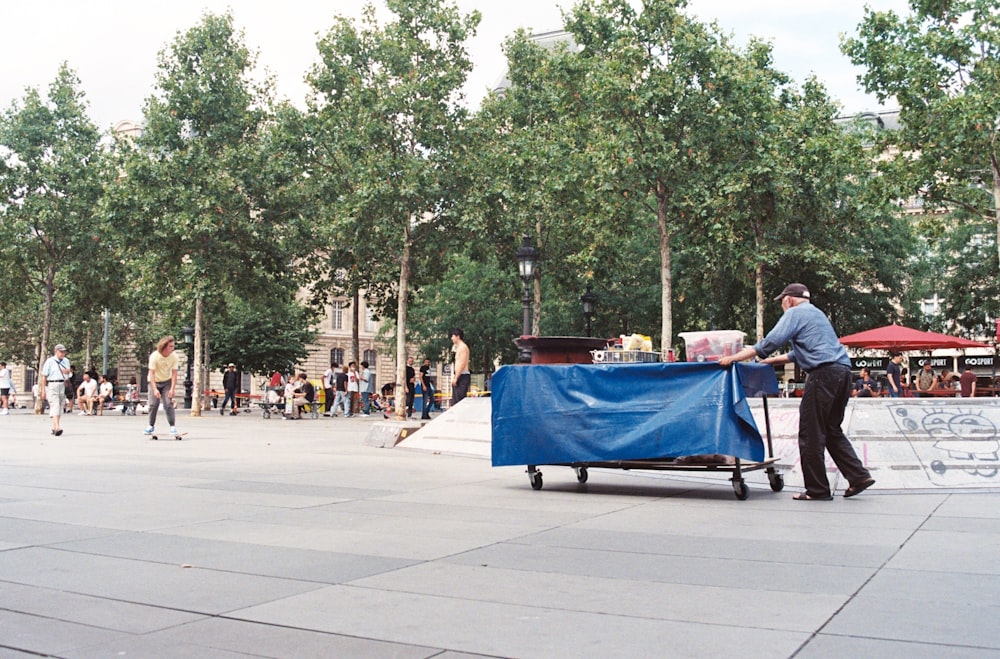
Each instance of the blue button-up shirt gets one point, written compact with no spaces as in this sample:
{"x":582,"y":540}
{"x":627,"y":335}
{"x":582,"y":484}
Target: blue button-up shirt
{"x":811,"y":335}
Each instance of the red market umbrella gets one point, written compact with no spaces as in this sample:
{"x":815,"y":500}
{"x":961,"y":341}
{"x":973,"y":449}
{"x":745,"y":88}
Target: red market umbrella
{"x":897,"y":337}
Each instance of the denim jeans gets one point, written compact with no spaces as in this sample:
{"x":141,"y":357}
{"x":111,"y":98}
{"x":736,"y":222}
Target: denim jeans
{"x":167,"y":402}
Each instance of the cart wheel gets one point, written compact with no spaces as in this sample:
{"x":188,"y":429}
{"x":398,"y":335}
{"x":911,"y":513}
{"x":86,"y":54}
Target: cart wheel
{"x":741,"y":490}
{"x":534,"y":477}
{"x":581,"y":474}
{"x":777,"y":482}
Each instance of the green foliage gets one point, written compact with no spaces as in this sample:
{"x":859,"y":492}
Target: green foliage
{"x":385,"y":121}
{"x":262,"y":336}
{"x":478,"y":296}
{"x":208,"y":179}
{"x":53,"y":246}
{"x":942,"y":65}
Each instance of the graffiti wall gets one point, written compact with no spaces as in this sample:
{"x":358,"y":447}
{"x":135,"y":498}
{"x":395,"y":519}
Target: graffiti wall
{"x":909,"y":443}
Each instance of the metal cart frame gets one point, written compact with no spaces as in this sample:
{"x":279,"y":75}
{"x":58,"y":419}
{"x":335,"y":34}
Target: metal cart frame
{"x":738,"y":468}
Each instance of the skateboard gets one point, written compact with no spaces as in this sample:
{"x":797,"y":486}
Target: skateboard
{"x":179,"y":436}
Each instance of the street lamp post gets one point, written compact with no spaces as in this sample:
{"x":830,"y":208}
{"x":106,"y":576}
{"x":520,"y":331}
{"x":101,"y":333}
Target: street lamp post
{"x":189,"y":345}
{"x":589,"y":301}
{"x":527,"y":258}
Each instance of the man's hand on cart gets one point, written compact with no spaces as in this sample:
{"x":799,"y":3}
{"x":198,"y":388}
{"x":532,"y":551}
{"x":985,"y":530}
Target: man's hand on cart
{"x":745,"y":353}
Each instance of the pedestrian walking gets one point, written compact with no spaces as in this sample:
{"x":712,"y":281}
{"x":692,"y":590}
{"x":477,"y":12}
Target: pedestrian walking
{"x":816,"y":349}
{"x":6,"y":387}
{"x":230,"y":384}
{"x":55,"y":371}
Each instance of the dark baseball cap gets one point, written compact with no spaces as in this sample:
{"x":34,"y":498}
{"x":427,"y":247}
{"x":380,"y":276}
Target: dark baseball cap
{"x":794,"y":290}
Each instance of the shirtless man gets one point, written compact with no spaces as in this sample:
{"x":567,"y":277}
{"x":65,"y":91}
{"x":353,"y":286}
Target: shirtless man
{"x":460,"y":375}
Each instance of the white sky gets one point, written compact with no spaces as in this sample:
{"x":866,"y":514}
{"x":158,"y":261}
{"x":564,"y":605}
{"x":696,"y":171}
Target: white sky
{"x":112,"y":45}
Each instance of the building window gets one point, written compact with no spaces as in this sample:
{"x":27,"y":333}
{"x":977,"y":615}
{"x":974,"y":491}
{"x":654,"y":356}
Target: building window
{"x":371,"y":325}
{"x":371,"y":357}
{"x":336,"y":355}
{"x":337,"y":315}
{"x":931,"y":306}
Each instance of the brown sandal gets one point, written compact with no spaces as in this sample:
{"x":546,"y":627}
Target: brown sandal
{"x":855,"y":490}
{"x":802,"y":496}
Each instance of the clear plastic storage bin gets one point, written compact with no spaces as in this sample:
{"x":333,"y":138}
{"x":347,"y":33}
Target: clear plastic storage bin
{"x":711,"y":345}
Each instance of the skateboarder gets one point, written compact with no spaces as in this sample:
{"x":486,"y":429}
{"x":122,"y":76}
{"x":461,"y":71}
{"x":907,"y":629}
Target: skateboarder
{"x":162,"y":382}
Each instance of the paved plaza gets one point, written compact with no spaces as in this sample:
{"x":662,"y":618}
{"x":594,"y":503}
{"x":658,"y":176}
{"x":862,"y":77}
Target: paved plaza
{"x":274,"y":538}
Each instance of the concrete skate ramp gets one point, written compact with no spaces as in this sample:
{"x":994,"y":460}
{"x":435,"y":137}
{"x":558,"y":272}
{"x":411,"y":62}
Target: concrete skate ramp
{"x":463,"y":429}
{"x":907,"y":443}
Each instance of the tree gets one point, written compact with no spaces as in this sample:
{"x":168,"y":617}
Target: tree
{"x":262,"y":338}
{"x":203,"y":194}
{"x":51,"y":171}
{"x":388,"y":101}
{"x":658,"y":88}
{"x":942,"y":65}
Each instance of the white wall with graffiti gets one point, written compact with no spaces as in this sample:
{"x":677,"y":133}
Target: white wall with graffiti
{"x":907,"y":443}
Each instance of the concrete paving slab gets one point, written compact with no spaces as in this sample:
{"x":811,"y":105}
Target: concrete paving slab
{"x":36,"y":635}
{"x":733,"y":605}
{"x":825,"y":646}
{"x":524,"y":517}
{"x":965,"y":553}
{"x":736,"y":547}
{"x":692,"y":570}
{"x":928,"y":607}
{"x":234,"y":638}
{"x":143,"y":582}
{"x":29,"y":532}
{"x":305,"y":542}
{"x":101,"y":612}
{"x":238,"y":557}
{"x":514,"y":630}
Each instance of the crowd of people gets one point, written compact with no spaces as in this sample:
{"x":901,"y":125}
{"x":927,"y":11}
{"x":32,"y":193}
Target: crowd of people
{"x":927,"y":383}
{"x":348,"y":390}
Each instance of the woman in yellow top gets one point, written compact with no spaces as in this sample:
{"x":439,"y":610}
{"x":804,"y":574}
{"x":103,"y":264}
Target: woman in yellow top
{"x":162,"y":381}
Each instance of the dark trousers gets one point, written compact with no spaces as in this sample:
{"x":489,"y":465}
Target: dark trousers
{"x":821,"y":414}
{"x":428,"y":395}
{"x":230,"y":397}
{"x":461,"y":388}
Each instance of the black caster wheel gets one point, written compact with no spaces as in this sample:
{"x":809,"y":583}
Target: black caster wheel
{"x":535,"y":478}
{"x":741,"y":490}
{"x":777,"y":482}
{"x":581,"y":474}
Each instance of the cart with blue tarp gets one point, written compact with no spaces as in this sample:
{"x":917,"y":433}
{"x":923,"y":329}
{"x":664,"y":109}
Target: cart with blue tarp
{"x":662,"y":416}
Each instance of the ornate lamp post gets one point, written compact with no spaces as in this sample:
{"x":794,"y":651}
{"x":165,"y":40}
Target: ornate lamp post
{"x":589,"y":301}
{"x":189,"y":345}
{"x":527,"y":258}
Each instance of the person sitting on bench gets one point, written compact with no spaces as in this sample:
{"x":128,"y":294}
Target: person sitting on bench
{"x":304,"y":395}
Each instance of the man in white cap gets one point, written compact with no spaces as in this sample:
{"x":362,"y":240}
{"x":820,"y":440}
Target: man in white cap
{"x":55,"y":370}
{"x":817,"y":350}
{"x":230,"y":384}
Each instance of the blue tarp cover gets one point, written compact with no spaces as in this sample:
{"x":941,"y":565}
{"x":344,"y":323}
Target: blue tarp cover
{"x":564,"y":413}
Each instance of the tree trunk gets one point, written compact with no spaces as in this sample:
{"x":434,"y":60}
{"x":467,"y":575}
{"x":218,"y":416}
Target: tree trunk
{"x":536,"y":315}
{"x":401,"y":309}
{"x":355,"y":326}
{"x":43,"y":350}
{"x":196,"y":372}
{"x":996,"y":200}
{"x":88,"y":362}
{"x":759,"y":289}
{"x":666,"y":280}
